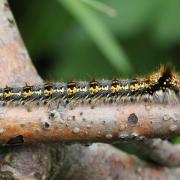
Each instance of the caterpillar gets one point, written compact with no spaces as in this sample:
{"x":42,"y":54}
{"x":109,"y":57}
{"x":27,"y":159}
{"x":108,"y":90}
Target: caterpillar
{"x":157,"y":87}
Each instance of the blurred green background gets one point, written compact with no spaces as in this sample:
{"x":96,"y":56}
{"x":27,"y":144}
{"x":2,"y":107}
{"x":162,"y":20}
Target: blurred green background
{"x":85,"y":39}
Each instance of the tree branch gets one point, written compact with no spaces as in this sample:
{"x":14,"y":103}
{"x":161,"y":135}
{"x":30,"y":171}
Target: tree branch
{"x":86,"y":123}
{"x":16,"y":66}
{"x":82,"y":123}
{"x":30,"y":162}
{"x":102,"y":161}
{"x":160,"y":151}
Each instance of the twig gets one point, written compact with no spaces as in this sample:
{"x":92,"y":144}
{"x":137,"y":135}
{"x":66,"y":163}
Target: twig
{"x":73,"y":124}
{"x":30,"y":162}
{"x":86,"y":123}
{"x":102,"y":161}
{"x":160,"y":151}
{"x":16,"y":66}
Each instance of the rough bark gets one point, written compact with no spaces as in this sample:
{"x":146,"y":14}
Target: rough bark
{"x":28,"y":162}
{"x":160,"y":151}
{"x":102,"y":161}
{"x":85,"y":123}
{"x":43,"y":161}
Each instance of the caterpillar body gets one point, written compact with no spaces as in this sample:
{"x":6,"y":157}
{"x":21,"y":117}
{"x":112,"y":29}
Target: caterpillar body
{"x":157,"y":87}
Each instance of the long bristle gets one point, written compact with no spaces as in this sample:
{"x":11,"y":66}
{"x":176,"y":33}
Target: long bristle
{"x":163,"y":84}
{"x":167,"y":71}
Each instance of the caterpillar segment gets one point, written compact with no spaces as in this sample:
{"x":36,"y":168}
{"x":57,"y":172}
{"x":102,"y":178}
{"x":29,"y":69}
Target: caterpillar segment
{"x":157,"y":87}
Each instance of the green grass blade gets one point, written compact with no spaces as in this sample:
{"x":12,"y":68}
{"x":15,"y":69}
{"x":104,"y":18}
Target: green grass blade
{"x":100,"y":34}
{"x":101,"y":7}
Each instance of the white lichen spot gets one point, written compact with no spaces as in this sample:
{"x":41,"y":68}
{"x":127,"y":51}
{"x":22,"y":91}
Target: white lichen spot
{"x":134,"y":134}
{"x":139,"y":169}
{"x":76,"y":130}
{"x":141,"y":138}
{"x":148,"y":107}
{"x":109,"y":136}
{"x":86,"y":132}
{"x":124,"y":135}
{"x":122,"y":127}
{"x":88,"y":126}
{"x":173,"y":127}
{"x":71,"y":118}
{"x":166,"y":117}
{"x":2,"y":131}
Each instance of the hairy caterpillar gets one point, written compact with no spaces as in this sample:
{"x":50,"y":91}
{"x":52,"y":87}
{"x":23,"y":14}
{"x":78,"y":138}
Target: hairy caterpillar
{"x":158,"y":87}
